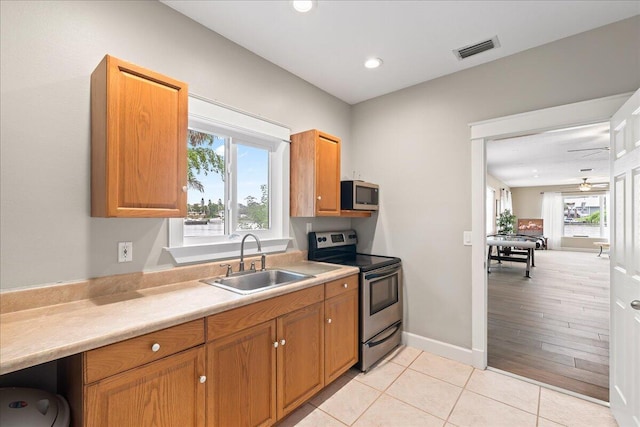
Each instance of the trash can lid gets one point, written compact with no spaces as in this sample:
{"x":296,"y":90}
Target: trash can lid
{"x":27,"y":407}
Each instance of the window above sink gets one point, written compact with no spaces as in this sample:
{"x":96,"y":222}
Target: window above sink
{"x":238,"y":183}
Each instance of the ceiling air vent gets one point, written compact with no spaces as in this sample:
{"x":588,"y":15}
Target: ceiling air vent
{"x":477,"y":48}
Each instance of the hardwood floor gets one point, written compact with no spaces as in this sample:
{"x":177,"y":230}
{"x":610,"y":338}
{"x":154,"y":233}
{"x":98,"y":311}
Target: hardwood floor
{"x":553,"y":327}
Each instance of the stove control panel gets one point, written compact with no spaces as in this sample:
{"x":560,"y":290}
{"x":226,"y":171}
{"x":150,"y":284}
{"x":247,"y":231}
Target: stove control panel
{"x":331,"y":239}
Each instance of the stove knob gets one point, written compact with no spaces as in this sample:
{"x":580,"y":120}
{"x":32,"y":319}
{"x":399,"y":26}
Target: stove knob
{"x":319,"y":239}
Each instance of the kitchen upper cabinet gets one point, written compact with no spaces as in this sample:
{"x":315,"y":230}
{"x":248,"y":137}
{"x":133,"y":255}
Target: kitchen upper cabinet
{"x":341,"y":327}
{"x":315,"y":174}
{"x":138,"y":142}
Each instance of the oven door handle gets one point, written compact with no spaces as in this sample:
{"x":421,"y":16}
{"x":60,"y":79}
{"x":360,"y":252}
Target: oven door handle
{"x":396,"y":328}
{"x":382,"y":273}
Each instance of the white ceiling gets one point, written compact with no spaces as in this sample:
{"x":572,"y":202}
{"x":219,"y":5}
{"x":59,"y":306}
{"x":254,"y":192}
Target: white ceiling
{"x":517,"y":161}
{"x":328,"y":46}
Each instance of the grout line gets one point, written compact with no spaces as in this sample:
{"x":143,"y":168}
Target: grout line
{"x":539,"y":399}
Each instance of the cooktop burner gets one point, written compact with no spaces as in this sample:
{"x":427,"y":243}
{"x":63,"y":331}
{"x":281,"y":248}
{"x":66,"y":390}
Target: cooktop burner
{"x":340,"y":248}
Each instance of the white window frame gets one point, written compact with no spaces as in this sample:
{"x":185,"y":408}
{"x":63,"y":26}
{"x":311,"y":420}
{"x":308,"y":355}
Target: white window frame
{"x":245,"y":129}
{"x":603,"y":204}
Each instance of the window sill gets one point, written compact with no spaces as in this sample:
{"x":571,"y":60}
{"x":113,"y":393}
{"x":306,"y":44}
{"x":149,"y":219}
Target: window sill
{"x":219,"y":251}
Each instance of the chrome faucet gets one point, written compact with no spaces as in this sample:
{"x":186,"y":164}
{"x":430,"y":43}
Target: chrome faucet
{"x":262,"y":255}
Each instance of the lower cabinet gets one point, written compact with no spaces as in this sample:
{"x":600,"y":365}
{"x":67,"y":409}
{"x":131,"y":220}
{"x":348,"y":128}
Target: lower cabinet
{"x":300,"y":361}
{"x":241,"y":369}
{"x":256,"y":364}
{"x":157,"y":379}
{"x":260,"y":374}
{"x":341,"y":328}
{"x":163,"y":393}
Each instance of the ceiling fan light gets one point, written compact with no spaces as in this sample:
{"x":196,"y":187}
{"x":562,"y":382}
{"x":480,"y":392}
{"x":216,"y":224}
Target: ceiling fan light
{"x":584,"y":185}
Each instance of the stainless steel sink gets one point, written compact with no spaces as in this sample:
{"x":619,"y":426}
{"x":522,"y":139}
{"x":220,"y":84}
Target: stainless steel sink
{"x":248,"y":282}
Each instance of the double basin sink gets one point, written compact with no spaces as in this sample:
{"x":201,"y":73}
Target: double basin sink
{"x":248,"y":282}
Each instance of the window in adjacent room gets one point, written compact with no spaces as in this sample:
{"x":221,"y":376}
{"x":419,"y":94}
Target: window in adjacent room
{"x":586,"y":215}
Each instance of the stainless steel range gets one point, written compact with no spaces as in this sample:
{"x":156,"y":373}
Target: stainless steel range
{"x":380,"y":291}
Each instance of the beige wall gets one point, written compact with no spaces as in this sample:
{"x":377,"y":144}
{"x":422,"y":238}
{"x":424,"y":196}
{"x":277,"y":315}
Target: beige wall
{"x":415,"y":144}
{"x":48,"y":51}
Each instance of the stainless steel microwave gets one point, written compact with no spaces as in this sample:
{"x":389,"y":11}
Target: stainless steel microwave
{"x":358,"y":195}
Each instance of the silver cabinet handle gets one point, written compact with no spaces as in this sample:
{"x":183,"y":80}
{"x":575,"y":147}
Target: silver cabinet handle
{"x":203,"y":379}
{"x":155,"y":347}
{"x":275,"y":344}
{"x":282,"y":342}
{"x":635,"y":304}
{"x":319,"y":197}
{"x":328,"y":320}
{"x":346,"y":285}
{"x":184,"y":188}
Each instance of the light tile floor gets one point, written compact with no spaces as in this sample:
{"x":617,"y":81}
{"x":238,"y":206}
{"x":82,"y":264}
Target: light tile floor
{"x":415,"y":388}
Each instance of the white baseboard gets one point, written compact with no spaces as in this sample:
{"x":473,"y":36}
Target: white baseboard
{"x":453,"y":352}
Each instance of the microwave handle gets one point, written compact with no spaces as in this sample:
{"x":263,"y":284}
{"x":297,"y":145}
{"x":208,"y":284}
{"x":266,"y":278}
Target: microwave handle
{"x":382,"y":273}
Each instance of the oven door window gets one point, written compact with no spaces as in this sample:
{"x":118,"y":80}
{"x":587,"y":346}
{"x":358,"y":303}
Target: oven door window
{"x":384,"y":293}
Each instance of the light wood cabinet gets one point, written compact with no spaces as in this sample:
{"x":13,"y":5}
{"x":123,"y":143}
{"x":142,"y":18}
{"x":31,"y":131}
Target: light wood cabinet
{"x":157,"y":379}
{"x":164,"y":393}
{"x":341,"y":327}
{"x":315,"y":174}
{"x":242,"y":378}
{"x":260,"y":372}
{"x":300,"y":357}
{"x":138,"y":142}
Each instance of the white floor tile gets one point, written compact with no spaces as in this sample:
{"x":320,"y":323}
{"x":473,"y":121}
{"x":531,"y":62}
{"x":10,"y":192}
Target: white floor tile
{"x":426,"y":393}
{"x":403,"y":355}
{"x":572,"y":411}
{"x":387,"y":411}
{"x":347,"y":402}
{"x":442,"y":368}
{"x":512,"y":391}
{"x":474,"y":410}
{"x":381,"y":376}
{"x":309,"y":416}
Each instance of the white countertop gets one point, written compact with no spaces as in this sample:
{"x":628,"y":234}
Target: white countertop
{"x":33,"y":336}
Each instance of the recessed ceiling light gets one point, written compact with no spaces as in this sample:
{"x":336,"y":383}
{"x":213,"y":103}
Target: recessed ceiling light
{"x":536,"y":176}
{"x":373,"y":63}
{"x":303,"y":6}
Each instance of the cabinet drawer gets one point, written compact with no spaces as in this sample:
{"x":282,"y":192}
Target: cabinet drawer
{"x":340,"y":286}
{"x":112,"y":359}
{"x":231,"y":321}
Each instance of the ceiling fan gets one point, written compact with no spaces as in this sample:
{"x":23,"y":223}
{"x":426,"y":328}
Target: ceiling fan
{"x":588,"y":149}
{"x":586,"y":186}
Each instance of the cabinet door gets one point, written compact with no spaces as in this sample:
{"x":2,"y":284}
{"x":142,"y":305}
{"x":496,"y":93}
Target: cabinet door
{"x":241,"y":369}
{"x":164,"y":393}
{"x":300,"y":356}
{"x":341,"y":334}
{"x":139,"y":142}
{"x":327,"y":175}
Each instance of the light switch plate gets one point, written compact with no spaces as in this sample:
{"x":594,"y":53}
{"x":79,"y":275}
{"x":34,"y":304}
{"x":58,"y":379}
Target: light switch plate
{"x":466,"y":238}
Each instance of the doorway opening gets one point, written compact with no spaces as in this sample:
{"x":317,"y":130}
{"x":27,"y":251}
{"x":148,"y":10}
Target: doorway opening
{"x":552,"y":326}
{"x":560,"y":117}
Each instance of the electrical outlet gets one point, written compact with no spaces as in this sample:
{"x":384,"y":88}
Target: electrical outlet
{"x":309,"y":227}
{"x":125,"y":251}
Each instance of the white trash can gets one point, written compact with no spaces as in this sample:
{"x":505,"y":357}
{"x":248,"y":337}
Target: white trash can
{"x":30,"y":407}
